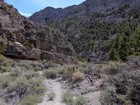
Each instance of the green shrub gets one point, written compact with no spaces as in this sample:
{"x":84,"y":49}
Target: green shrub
{"x":36,"y":85}
{"x":122,"y":87}
{"x":66,"y":72}
{"x":16,"y":72}
{"x":68,"y":98}
{"x":5,"y":69}
{"x":31,"y":100}
{"x":51,"y":96}
{"x":6,"y":64}
{"x":2,"y":47}
{"x":31,"y":74}
{"x":80,"y":100}
{"x":5,"y":81}
{"x":29,"y":43}
{"x":111,"y":68}
{"x":82,"y":59}
{"x":23,"y":86}
{"x":51,"y":73}
{"x":18,"y":84}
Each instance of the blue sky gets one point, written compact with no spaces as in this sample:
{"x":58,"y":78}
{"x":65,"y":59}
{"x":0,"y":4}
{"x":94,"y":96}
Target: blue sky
{"x":28,"y":7}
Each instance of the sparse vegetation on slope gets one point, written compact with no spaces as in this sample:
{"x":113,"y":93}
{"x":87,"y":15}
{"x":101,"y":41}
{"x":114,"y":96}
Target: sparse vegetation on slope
{"x":117,"y":40}
{"x":121,"y":85}
{"x":110,"y":34}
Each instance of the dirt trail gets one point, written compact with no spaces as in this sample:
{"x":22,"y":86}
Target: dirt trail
{"x":55,"y":87}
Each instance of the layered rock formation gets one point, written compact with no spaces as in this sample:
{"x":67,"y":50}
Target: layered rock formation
{"x":21,"y":38}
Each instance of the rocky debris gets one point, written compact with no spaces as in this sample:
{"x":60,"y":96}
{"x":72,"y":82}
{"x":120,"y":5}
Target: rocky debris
{"x":21,"y":38}
{"x":90,"y":92}
{"x":89,"y":87}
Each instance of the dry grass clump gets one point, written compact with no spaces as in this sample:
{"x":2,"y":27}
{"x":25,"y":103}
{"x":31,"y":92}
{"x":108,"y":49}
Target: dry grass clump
{"x":78,"y":76}
{"x":72,"y":75}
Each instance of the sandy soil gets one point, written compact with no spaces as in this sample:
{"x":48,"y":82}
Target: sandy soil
{"x":55,"y":87}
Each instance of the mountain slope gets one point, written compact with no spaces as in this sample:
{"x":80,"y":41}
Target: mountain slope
{"x":89,"y":6}
{"x":21,"y":38}
{"x":95,"y":26}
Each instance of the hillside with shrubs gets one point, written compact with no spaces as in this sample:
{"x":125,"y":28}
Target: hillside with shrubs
{"x":98,"y":30}
{"x":86,"y":54}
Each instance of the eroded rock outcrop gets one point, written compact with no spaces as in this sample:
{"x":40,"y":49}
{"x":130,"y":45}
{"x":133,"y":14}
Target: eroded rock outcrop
{"x":21,"y":38}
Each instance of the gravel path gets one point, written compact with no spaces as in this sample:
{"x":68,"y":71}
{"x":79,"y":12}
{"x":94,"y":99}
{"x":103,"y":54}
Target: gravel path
{"x":55,"y":87}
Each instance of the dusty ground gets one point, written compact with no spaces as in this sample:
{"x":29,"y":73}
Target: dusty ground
{"x":55,"y":87}
{"x":90,"y":92}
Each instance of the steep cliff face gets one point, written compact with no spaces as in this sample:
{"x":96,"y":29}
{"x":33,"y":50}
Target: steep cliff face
{"x":21,"y":38}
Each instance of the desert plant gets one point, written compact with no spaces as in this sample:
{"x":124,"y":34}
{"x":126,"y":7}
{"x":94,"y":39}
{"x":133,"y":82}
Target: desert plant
{"x":31,"y":100}
{"x":2,"y":47}
{"x":16,"y":72}
{"x":122,"y":88}
{"x":31,"y":74}
{"x":51,"y":96}
{"x":78,"y":76}
{"x":68,"y":71}
{"x":5,"y":69}
{"x":22,"y":87}
{"x":68,"y":98}
{"x":111,"y":68}
{"x":50,"y":73}
{"x":5,"y":81}
{"x":80,"y":100}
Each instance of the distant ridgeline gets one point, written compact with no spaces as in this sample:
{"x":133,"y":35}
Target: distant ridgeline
{"x":98,"y":30}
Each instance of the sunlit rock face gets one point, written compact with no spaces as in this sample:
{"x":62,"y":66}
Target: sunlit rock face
{"x":21,"y":38}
